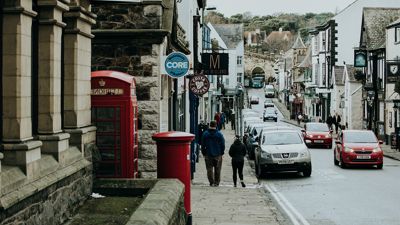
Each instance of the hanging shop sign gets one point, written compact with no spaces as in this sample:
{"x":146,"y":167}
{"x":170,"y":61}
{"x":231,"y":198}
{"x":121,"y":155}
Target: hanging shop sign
{"x":199,"y":84}
{"x":360,"y":58}
{"x":176,"y":64}
{"x":392,"y":71}
{"x":215,"y":63}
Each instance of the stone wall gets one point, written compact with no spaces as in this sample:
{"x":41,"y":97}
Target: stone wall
{"x":52,"y":205}
{"x":129,"y":38}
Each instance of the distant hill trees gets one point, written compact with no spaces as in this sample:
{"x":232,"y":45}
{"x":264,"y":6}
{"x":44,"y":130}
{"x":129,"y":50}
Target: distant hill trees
{"x":295,"y":23}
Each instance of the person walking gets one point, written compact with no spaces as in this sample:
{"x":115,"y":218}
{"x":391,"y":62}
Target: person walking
{"x":329,"y":122}
{"x":237,"y":151}
{"x":213,"y":148}
{"x":222,"y":121}
{"x":217,"y":118}
{"x":338,"y":120}
{"x":334,"y":122}
{"x":232,"y":120}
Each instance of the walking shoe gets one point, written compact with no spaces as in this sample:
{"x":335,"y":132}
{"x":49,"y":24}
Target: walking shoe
{"x":243,"y":185}
{"x":234,"y":185}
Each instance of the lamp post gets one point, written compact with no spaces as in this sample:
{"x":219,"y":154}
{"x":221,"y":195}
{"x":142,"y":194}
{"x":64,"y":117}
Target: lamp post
{"x":370,"y":100}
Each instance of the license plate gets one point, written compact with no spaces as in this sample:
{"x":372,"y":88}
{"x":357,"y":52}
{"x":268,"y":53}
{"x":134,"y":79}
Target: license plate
{"x":363,"y":157}
{"x":286,"y":161}
{"x":319,"y":141}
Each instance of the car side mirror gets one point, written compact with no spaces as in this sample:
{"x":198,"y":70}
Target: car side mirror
{"x":338,"y":142}
{"x":380,"y":142}
{"x":331,"y":131}
{"x":302,"y":130}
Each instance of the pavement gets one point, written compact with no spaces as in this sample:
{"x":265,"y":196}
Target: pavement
{"x":228,"y":205}
{"x":387,"y":150}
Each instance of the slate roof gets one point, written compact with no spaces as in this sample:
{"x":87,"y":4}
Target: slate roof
{"x":351,"y":71}
{"x":298,"y":43}
{"x":307,"y":61}
{"x":375,"y":21}
{"x":231,"y":34}
{"x":339,"y":75}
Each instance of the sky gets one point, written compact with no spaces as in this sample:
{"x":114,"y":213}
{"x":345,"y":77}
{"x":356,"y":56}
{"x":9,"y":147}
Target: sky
{"x":270,"y":7}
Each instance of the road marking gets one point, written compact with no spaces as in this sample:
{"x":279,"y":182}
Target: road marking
{"x":294,"y":215}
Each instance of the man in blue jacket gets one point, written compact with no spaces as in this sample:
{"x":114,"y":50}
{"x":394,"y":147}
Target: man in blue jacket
{"x":213,"y":147}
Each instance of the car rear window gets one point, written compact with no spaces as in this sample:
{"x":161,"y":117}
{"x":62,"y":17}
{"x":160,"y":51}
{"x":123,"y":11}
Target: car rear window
{"x":317,"y":127}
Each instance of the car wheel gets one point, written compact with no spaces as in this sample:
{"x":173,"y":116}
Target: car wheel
{"x":379,"y":166}
{"x":342,"y":164}
{"x":335,"y":161}
{"x":260,"y":172}
{"x":307,"y":171}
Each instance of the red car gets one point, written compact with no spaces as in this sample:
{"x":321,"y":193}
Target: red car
{"x":317,"y":134}
{"x":358,"y":147}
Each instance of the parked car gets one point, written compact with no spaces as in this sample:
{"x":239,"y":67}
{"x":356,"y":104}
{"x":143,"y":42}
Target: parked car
{"x":246,"y":123}
{"x":317,"y":134}
{"x":282,"y":150}
{"x":268,"y":103}
{"x":358,"y":147}
{"x":251,"y":140}
{"x":254,"y":100}
{"x":270,"y":114}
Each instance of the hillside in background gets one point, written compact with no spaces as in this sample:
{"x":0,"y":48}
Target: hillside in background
{"x":294,"y":23}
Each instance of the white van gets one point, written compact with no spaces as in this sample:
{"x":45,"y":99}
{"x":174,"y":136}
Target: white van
{"x":269,"y":91}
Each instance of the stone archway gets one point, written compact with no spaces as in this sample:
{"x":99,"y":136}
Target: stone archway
{"x":257,"y":71}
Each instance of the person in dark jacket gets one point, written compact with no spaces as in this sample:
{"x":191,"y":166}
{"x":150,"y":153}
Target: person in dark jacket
{"x":213,"y":148}
{"x":237,"y":151}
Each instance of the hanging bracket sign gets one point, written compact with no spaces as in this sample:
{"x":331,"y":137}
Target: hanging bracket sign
{"x":199,"y":84}
{"x":176,"y":64}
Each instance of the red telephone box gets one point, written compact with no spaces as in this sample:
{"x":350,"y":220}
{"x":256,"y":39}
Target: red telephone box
{"x":114,"y":112}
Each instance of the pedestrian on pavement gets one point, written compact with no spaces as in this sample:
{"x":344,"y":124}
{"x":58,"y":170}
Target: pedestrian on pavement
{"x":299,"y":118}
{"x":217,"y":118}
{"x":237,"y":151}
{"x":334,"y":122}
{"x":338,"y":120}
{"x":213,"y":148}
{"x":329,"y":122}
{"x":222,"y":121}
{"x":233,"y":120}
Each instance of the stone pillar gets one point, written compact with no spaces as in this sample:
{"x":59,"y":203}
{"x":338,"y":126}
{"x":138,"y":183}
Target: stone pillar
{"x":50,"y":38}
{"x":17,"y":144}
{"x":77,"y":68}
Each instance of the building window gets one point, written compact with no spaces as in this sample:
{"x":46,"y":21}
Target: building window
{"x":239,"y":77}
{"x":397,"y":34}
{"x":239,"y":60}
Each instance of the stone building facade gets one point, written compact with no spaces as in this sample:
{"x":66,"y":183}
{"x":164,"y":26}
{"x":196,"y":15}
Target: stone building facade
{"x":46,"y":133}
{"x":132,"y":38}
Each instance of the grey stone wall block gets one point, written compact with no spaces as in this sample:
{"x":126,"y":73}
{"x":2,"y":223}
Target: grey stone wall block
{"x":150,"y":121}
{"x":149,"y":107}
{"x":146,"y":137}
{"x":155,"y":93}
{"x":150,"y":60}
{"x":146,"y":175}
{"x":147,"y":81}
{"x":148,"y":152}
{"x":147,"y":165}
{"x":152,"y":11}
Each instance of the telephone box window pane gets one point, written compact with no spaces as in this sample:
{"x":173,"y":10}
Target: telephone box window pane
{"x":105,"y":113}
{"x":107,"y":169}
{"x":117,"y":113}
{"x":107,"y":155}
{"x":105,"y":141}
{"x":106,"y":126}
{"x":117,"y":154}
{"x":117,"y":141}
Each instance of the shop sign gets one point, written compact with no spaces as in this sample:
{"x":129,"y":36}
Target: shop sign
{"x":360,"y":58}
{"x":392,"y":71}
{"x":176,"y":64}
{"x":199,"y":84}
{"x":215,"y":63}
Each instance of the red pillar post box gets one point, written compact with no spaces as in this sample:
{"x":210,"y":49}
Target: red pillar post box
{"x":173,"y":160}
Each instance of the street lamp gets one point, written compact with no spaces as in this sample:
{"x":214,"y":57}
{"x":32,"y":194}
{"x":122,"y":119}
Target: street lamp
{"x":370,"y":100}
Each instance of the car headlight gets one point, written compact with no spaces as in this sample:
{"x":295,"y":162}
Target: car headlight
{"x":310,"y":136}
{"x":346,"y":149}
{"x":377,"y":150}
{"x":328,"y":136}
{"x":265,"y":155}
{"x":303,"y":154}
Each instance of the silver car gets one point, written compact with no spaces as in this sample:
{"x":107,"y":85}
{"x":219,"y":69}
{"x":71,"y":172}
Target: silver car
{"x":282,"y":150}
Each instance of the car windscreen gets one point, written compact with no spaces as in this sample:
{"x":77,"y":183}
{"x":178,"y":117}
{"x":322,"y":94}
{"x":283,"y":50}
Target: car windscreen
{"x":269,"y":90}
{"x":321,"y":127}
{"x":359,"y":137}
{"x":270,"y":110}
{"x":282,"y":138}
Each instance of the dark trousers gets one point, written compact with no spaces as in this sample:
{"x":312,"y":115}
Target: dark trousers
{"x":237,"y":167}
{"x":213,"y":166}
